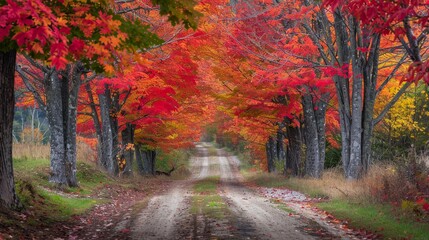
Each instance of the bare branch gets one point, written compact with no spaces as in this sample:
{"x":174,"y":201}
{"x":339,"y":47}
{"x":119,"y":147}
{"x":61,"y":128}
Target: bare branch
{"x":391,"y":103}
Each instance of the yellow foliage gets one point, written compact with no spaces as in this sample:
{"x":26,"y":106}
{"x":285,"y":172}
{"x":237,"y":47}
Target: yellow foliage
{"x":400,"y":119}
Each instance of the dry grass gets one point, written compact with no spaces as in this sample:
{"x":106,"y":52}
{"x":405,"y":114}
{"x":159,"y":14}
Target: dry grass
{"x":384,"y":182}
{"x":26,"y":150}
{"x":37,"y":151}
{"x":334,"y":186}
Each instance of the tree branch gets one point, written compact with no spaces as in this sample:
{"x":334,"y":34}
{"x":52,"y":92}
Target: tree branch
{"x":391,"y":103}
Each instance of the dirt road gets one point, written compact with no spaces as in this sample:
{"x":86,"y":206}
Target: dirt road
{"x":248,"y":215}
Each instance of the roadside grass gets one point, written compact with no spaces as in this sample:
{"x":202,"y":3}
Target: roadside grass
{"x":206,"y":201}
{"x":350,"y":200}
{"x":61,"y":208}
{"x":376,"y":218}
{"x":285,"y":208}
{"x":264,"y":179}
{"x":36,"y":171}
{"x":41,"y":198}
{"x":44,"y":205}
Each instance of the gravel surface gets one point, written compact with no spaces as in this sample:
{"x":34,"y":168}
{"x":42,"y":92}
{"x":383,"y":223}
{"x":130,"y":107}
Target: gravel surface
{"x":250,"y":214}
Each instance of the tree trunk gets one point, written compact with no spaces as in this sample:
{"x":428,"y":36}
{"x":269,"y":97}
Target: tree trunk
{"x":139,"y":158}
{"x":127,"y":139}
{"x":311,"y":136}
{"x":33,"y":113}
{"x":114,"y":110}
{"x":149,"y":157}
{"x":8,"y":196}
{"x":320,"y":114}
{"x":106,"y":132}
{"x":54,"y":105}
{"x":97,"y":125}
{"x":355,"y":164}
{"x":70,"y":123}
{"x":270,"y":151}
{"x":293,"y":150}
{"x":61,"y":104}
{"x":145,"y":160}
{"x":280,"y":146}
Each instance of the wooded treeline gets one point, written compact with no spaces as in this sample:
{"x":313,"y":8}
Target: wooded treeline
{"x":294,"y":80}
{"x":297,"y":64}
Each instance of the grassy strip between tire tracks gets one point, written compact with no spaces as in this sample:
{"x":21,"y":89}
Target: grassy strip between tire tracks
{"x":206,"y":200}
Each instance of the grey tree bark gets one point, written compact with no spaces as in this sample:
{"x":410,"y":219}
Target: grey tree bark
{"x":8,"y":196}
{"x":97,"y":124}
{"x":311,"y":136}
{"x":270,"y":148}
{"x":128,"y":138}
{"x":139,"y":158}
{"x":61,"y":90}
{"x":149,"y":157}
{"x":61,"y":105}
{"x":357,"y":111}
{"x":108,"y":161}
{"x":114,"y":111}
{"x":109,"y":108}
{"x":145,"y":160}
{"x":293,"y":149}
{"x":280,"y":145}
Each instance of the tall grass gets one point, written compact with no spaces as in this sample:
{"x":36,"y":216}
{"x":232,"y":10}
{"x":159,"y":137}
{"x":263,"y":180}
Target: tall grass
{"x":382,"y":179}
{"x":27,"y":150}
{"x":39,"y":151}
{"x":335,"y":186}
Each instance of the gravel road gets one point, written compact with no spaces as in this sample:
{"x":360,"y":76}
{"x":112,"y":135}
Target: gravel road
{"x":250,"y":216}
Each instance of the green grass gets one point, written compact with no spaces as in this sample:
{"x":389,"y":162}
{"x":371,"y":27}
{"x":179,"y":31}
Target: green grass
{"x":37,"y":172}
{"x":207,"y":186}
{"x":381,"y":219}
{"x":285,"y":208}
{"x":62,"y":208}
{"x":28,"y":165}
{"x":50,"y":206}
{"x":212,"y":151}
{"x":32,"y":185}
{"x":90,"y":178}
{"x":376,"y":218}
{"x":206,"y":201}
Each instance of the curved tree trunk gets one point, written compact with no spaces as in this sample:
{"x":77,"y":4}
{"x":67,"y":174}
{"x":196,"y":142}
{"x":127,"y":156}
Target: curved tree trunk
{"x":8,"y":196}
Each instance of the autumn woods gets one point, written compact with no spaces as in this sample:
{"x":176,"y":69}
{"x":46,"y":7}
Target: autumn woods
{"x":301,"y":85}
